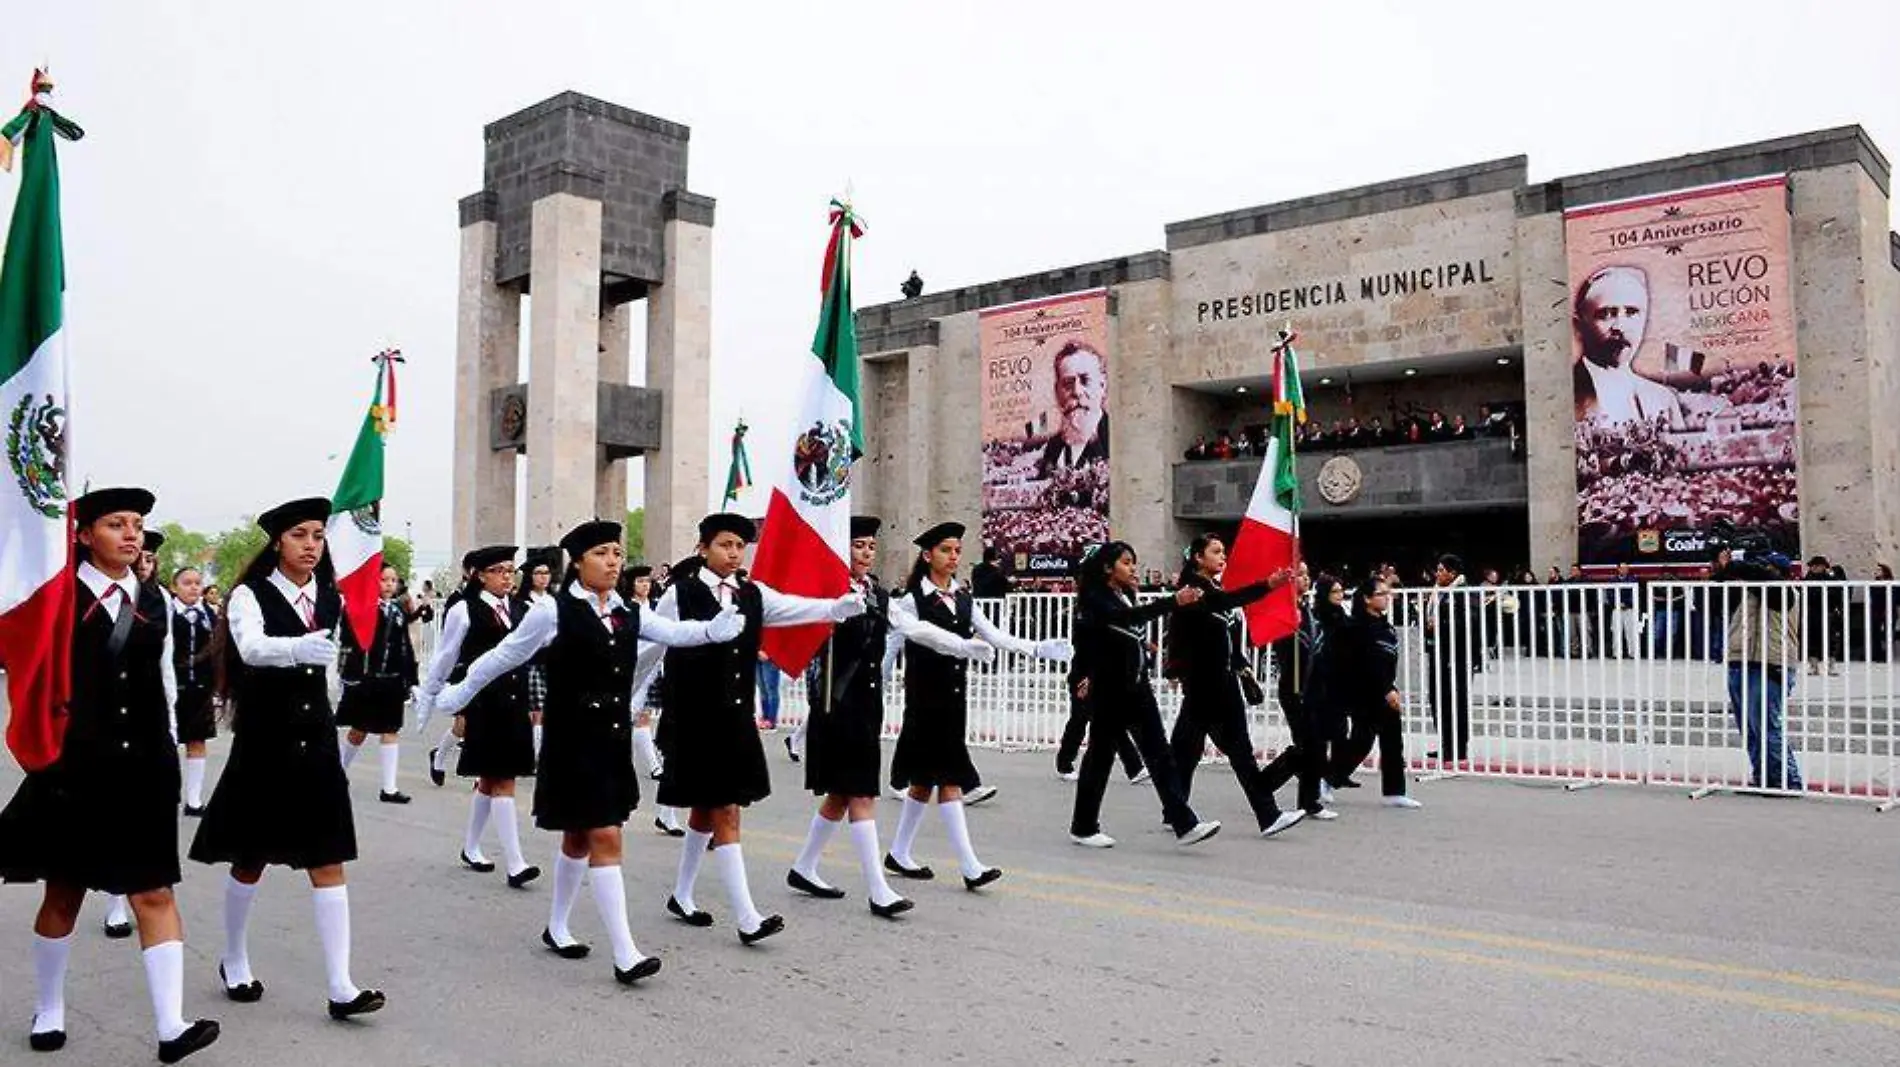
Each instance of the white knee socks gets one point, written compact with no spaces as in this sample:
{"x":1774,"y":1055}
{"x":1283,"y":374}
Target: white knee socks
{"x":643,"y":748}
{"x":610,"y":897}
{"x":731,"y":863}
{"x":537,"y":740}
{"x":815,"y":841}
{"x":165,"y":977}
{"x":118,"y":913}
{"x":49,"y":973}
{"x":959,"y":832}
{"x":389,"y":753}
{"x":906,"y":836}
{"x":348,"y":751}
{"x":238,"y":898}
{"x":864,"y":836}
{"x":568,"y":874}
{"x":509,"y":830}
{"x":692,"y":853}
{"x":478,"y":808}
{"x":669,"y":816}
{"x":333,"y":929}
{"x":194,"y":781}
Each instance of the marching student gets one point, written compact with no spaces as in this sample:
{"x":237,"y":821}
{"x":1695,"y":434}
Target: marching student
{"x":1111,"y":636}
{"x":646,"y":700}
{"x":1359,"y":673}
{"x":846,"y":716}
{"x":497,"y":736}
{"x":942,"y":630}
{"x":194,"y":664}
{"x":452,"y":733}
{"x":1311,"y":723}
{"x":283,"y":799}
{"x":118,"y":920}
{"x":590,"y":640}
{"x":376,"y":685}
{"x":715,"y":762}
{"x":103,"y":816}
{"x":1206,"y":643}
{"x":537,"y":574}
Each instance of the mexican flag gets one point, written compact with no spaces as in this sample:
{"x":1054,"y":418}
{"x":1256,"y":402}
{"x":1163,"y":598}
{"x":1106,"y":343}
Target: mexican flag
{"x":805,"y":547}
{"x":355,"y":532}
{"x":36,"y":577}
{"x":1269,"y":537}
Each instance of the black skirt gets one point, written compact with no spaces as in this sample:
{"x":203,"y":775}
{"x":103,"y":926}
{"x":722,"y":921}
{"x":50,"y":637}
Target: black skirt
{"x":586,"y":779}
{"x":105,"y":819}
{"x":842,"y":753}
{"x":497,"y":739}
{"x":282,"y":800}
{"x":931,"y":749}
{"x":196,"y":720}
{"x":373,"y":705}
{"x":714,"y":758}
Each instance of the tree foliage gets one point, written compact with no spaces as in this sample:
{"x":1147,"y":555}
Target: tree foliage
{"x":182,"y":548}
{"x":637,"y":535}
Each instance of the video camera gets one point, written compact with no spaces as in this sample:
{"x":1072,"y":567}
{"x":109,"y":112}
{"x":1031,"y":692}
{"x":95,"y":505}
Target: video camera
{"x":1752,"y":556}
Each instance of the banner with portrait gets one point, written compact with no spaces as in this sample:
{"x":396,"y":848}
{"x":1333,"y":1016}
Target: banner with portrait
{"x":1045,"y":431}
{"x":1683,"y":360}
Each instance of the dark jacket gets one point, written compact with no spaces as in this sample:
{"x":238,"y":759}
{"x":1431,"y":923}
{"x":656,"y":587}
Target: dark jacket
{"x":1111,"y":639}
{"x":1204,"y":647}
{"x":1359,"y":663}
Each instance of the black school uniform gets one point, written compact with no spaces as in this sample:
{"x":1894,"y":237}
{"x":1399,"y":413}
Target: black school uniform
{"x":931,"y":747}
{"x":587,"y":779}
{"x":842,"y":752}
{"x":104,"y":815}
{"x":193,"y":656}
{"x":283,"y":798}
{"x":376,"y":683}
{"x":497,"y":735}
{"x":709,"y":734}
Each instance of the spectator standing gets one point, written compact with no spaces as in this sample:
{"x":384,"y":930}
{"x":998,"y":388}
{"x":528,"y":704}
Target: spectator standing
{"x":1825,"y":615}
{"x":1625,"y":613}
{"x":1764,"y":647}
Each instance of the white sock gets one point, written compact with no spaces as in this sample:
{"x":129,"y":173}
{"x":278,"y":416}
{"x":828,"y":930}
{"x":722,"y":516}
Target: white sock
{"x":610,"y":897}
{"x":864,"y":836}
{"x":643,"y":747}
{"x":907,"y":825}
{"x":49,"y":971}
{"x":478,"y":808}
{"x":537,"y":740}
{"x":444,"y":747}
{"x":389,"y":752}
{"x":731,"y":862}
{"x":692,"y":852}
{"x":333,"y":929}
{"x":798,"y":735}
{"x":669,"y":816}
{"x":119,"y":912}
{"x":165,"y":977}
{"x":509,"y":831}
{"x":959,"y":831}
{"x":348,"y":751}
{"x":815,"y":841}
{"x":238,"y":898}
{"x":194,"y":781}
{"x":568,"y":873}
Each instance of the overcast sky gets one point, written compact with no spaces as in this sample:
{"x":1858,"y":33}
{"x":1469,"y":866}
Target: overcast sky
{"x":267,"y":193}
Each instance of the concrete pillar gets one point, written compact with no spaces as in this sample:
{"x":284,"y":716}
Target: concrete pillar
{"x":487,"y":343}
{"x":563,"y":362}
{"x":952,"y":485}
{"x":1141,"y":409}
{"x":679,"y":364}
{"x":1550,"y":442}
{"x":616,"y":341}
{"x":917,"y":457}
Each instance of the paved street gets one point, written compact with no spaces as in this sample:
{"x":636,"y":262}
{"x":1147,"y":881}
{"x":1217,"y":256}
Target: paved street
{"x":1503,"y":924}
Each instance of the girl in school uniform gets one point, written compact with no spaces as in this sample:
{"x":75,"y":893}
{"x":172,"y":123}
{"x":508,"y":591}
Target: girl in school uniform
{"x":376,"y":685}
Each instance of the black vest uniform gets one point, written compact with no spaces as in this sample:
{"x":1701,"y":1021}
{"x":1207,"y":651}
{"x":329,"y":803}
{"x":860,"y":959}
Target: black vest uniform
{"x":710,"y":731}
{"x":193,"y":665}
{"x":841,"y":743}
{"x":931,"y":747}
{"x":587,"y":780}
{"x":376,"y":683}
{"x":105,"y":814}
{"x":283,"y":798}
{"x":497,"y":735}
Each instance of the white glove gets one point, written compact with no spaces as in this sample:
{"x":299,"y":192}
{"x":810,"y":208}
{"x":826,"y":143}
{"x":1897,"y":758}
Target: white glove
{"x":847,"y":607}
{"x":453,"y":699}
{"x":1058,"y":650}
{"x":425,"y":707}
{"x":979,"y":651}
{"x":726,"y":626}
{"x":314,"y":650}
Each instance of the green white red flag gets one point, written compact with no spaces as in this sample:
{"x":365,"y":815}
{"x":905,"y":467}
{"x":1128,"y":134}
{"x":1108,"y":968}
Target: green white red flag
{"x":1269,"y":537}
{"x":739,"y":473}
{"x":355,"y":530}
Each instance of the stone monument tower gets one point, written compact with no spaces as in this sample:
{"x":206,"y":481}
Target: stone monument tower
{"x":583,"y":210}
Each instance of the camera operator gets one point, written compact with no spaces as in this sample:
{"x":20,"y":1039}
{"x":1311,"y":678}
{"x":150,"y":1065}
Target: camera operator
{"x":1763,"y":652}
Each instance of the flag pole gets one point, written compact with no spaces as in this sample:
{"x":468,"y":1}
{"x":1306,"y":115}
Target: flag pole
{"x":1287,"y":336}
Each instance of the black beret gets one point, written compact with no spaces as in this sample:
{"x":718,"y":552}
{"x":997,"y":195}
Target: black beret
{"x":588,"y":535}
{"x":153,"y":540}
{"x":726,"y":522}
{"x":640,"y":570}
{"x":938,"y":534}
{"x":483,"y":558}
{"x":548,"y":556}
{"x":99,"y":503}
{"x":282,"y":517}
{"x":865,"y":526}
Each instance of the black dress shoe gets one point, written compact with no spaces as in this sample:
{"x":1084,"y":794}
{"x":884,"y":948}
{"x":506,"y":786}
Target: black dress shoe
{"x":367,"y":1001}
{"x":892,"y":910}
{"x":194,"y":813}
{"x":790,"y":751}
{"x":1347,"y":784}
{"x":393,"y":798}
{"x":249,"y":993}
{"x":575,"y":951}
{"x":810,"y":888}
{"x":670,"y":831}
{"x":695,"y":918}
{"x":921,"y":874}
{"x":478,"y":866}
{"x":646,"y":968}
{"x":435,"y":775}
{"x":772,"y":925}
{"x":528,"y":874}
{"x":981,"y":880}
{"x":118,"y":931}
{"x":198,"y":1036}
{"x":50,"y":1041}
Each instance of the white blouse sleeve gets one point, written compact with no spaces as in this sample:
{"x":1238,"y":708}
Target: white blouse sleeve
{"x":167,"y":670}
{"x":783,"y":609}
{"x":246,"y":619}
{"x":904,"y":622}
{"x":991,"y":635}
{"x":448,"y":648}
{"x":671,"y":632}
{"x":536,"y":632}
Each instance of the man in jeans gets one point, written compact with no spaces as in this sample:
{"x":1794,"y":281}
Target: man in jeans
{"x":1764,"y":654}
